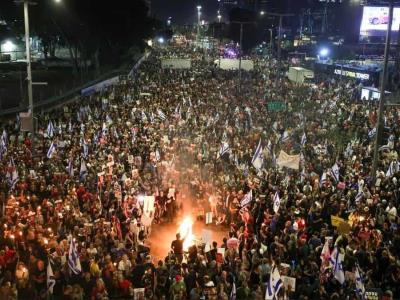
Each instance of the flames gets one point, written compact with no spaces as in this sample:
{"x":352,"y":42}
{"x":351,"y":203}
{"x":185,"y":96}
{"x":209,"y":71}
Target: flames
{"x":186,"y":232}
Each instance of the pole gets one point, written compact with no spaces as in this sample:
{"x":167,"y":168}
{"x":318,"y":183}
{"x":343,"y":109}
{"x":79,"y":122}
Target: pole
{"x":270,"y":41}
{"x":379,"y":128}
{"x":240,"y":57}
{"x":198,"y":24}
{"x":29,"y":71}
{"x":279,"y":48}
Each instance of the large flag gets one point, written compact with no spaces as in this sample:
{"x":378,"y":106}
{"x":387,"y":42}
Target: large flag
{"x":285,"y":137}
{"x":336,"y":261}
{"x":50,"y":278}
{"x":83,"y":171}
{"x":360,"y":288}
{"x":288,"y":161}
{"x":224,"y":149}
{"x":393,"y":168}
{"x":246,"y":199}
{"x":274,"y":285}
{"x":258,"y":157}
{"x":335,"y":172}
{"x":277,"y":202}
{"x":50,"y":129}
{"x":73,"y":258}
{"x":51,"y":150}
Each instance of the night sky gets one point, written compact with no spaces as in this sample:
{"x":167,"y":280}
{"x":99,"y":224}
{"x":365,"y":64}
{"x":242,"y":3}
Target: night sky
{"x":184,"y":11}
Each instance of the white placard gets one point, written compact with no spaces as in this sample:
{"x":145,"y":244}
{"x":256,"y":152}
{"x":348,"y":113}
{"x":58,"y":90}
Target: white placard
{"x":289,"y":281}
{"x":209,"y":218}
{"x":148,"y":205}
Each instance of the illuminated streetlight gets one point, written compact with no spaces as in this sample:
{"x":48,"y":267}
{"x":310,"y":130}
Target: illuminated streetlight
{"x":8,"y":46}
{"x":262,"y":12}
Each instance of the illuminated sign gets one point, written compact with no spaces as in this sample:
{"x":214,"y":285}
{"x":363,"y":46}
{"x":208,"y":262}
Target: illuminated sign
{"x":352,"y":74}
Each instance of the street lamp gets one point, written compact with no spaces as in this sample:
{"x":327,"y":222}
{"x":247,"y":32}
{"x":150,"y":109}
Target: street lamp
{"x":219,"y":18}
{"x":198,"y":22}
{"x":262,"y":13}
{"x":8,"y":46}
{"x":57,"y":1}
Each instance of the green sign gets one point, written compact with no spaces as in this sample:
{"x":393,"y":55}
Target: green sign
{"x":276,"y":106}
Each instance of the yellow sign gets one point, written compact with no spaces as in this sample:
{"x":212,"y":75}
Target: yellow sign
{"x":335,"y":221}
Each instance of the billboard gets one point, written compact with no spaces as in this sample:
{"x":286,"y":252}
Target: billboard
{"x":374,"y":24}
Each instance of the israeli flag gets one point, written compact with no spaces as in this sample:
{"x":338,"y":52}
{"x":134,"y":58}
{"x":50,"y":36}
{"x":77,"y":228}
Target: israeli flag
{"x":273,"y":285}
{"x":323,"y":180}
{"x":360,"y":288}
{"x":303,"y":139}
{"x":104,"y":129}
{"x":285,"y":137}
{"x":223,"y":149}
{"x":108,"y":119}
{"x":390,"y":142}
{"x":83,"y":171}
{"x":12,"y":174}
{"x":73,"y":258}
{"x":246,"y":199}
{"x":4,"y":137}
{"x":258,"y":157}
{"x":393,"y":168}
{"x":349,"y":151}
{"x":335,"y":172}
{"x":372,"y":133}
{"x":144,"y":117}
{"x":277,"y":202}
{"x":50,"y":278}
{"x":50,"y":129}
{"x":85,"y":149}
{"x":70,"y":126}
{"x":359,"y":196}
{"x":157,"y":155}
{"x":336,"y":262}
{"x":51,"y":150}
{"x":232,"y":296}
{"x":161,"y":115}
{"x":70,"y":168}
{"x":303,"y":175}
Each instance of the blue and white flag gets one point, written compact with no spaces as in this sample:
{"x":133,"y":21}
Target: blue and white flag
{"x":12,"y":174}
{"x":335,"y":172}
{"x":51,"y":150}
{"x":70,"y":167}
{"x":323,"y":180}
{"x":157,"y":155}
{"x":273,"y":285}
{"x":303,"y":139}
{"x":223,"y":149}
{"x":336,"y":262}
{"x":258,"y":157}
{"x":246,"y":199}
{"x":161,"y":115}
{"x":372,"y":133}
{"x":360,"y":288}
{"x":73,"y":258}
{"x":393,"y":168}
{"x":349,"y":151}
{"x":50,"y":129}
{"x":390,"y":142}
{"x":285,"y":137}
{"x":83,"y":171}
{"x":4,"y":137}
{"x":85,"y":148}
{"x":277,"y":202}
{"x":50,"y":278}
{"x":104,"y":130}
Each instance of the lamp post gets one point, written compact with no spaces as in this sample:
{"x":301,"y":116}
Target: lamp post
{"x":198,"y":23}
{"x":379,"y":126}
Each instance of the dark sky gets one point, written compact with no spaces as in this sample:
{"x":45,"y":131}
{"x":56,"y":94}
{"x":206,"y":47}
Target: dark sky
{"x":184,"y":11}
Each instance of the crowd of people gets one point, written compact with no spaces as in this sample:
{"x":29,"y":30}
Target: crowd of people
{"x":75,"y":214}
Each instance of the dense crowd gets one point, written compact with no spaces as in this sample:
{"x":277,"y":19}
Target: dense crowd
{"x":75,"y":222}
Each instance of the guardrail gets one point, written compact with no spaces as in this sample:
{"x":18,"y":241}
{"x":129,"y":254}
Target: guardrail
{"x":76,"y":92}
